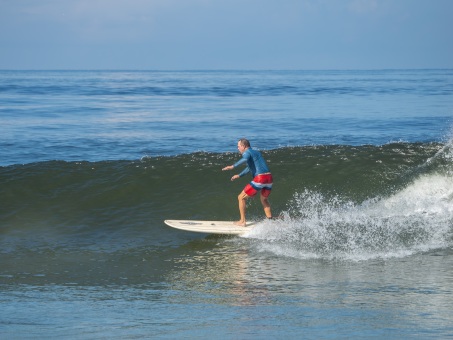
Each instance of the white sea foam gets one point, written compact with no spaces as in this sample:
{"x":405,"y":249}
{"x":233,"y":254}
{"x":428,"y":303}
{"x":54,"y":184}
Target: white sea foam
{"x":416,"y":219}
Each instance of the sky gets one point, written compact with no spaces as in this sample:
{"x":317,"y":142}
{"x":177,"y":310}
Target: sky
{"x":225,"y":34}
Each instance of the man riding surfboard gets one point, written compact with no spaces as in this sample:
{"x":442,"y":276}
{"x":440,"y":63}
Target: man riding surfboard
{"x":262,"y":179}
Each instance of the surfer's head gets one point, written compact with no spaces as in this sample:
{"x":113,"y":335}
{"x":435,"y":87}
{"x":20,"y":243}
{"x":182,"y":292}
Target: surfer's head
{"x":243,"y":144}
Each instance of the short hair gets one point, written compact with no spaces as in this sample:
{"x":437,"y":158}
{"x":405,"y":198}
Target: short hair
{"x":244,"y":142}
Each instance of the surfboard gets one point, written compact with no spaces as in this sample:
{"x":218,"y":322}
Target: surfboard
{"x":210,"y":227}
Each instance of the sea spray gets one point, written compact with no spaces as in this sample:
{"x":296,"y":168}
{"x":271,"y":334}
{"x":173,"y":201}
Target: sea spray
{"x":415,"y":219}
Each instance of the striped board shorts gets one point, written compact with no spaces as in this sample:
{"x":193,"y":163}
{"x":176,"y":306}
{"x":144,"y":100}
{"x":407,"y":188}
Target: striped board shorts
{"x":261,"y":183}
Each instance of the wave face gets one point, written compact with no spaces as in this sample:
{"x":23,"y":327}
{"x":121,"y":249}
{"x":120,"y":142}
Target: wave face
{"x":338,"y":202}
{"x":391,"y":201}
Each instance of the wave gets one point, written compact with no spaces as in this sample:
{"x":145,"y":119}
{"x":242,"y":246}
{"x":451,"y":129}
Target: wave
{"x":338,"y":201}
{"x":417,"y":218}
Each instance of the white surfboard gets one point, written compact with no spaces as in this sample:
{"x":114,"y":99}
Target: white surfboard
{"x":210,"y":227}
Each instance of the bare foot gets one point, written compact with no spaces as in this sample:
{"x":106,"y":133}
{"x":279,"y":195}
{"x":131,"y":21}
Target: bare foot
{"x":240,"y":223}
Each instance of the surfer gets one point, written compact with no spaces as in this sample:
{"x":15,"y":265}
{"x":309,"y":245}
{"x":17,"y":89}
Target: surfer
{"x":262,"y":179}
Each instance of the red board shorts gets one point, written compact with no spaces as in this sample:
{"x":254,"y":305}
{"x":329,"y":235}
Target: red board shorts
{"x":260,"y":182}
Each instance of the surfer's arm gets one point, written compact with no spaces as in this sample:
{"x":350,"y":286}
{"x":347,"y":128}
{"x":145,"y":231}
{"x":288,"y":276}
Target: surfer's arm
{"x":244,"y":158}
{"x":231,"y":167}
{"x":244,"y":172}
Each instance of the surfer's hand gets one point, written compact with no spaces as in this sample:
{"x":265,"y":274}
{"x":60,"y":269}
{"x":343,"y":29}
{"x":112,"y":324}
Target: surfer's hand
{"x":234,"y":177}
{"x":229,"y":167}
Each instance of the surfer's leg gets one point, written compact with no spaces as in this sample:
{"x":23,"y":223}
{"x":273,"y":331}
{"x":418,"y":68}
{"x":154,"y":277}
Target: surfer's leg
{"x":242,"y":197}
{"x":266,"y":205}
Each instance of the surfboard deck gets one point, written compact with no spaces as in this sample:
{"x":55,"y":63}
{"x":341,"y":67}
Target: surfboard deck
{"x":210,"y":227}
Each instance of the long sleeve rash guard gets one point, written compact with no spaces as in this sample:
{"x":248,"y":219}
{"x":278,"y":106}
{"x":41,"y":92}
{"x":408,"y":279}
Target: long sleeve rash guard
{"x":255,"y":163}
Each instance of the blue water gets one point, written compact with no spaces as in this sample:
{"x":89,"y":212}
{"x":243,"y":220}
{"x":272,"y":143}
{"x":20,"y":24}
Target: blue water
{"x":103,"y":115}
{"x":92,"y":162}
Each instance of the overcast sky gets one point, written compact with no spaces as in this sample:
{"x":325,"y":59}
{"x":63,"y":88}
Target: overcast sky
{"x":225,"y":34}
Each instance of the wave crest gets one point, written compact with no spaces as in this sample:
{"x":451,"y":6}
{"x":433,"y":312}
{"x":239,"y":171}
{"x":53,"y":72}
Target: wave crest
{"x":417,"y":219}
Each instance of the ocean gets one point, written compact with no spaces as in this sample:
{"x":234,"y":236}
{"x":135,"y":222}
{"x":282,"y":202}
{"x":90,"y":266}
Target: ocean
{"x":93,"y":162}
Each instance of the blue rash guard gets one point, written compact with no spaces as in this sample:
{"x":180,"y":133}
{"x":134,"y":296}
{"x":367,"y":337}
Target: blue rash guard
{"x":255,"y":163}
